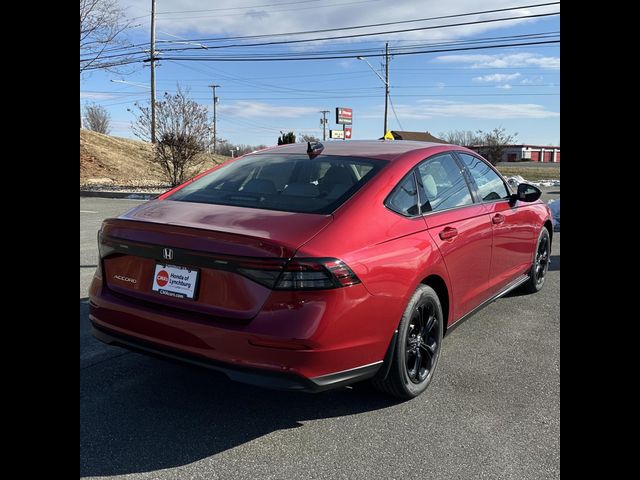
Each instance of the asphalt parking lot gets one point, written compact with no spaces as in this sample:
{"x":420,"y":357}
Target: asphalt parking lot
{"x":491,"y":412}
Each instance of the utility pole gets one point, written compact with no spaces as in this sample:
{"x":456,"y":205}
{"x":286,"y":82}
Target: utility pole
{"x":215,"y":133}
{"x":386,"y":95}
{"x":152,"y":59}
{"x":385,"y":80}
{"x":323,"y":121}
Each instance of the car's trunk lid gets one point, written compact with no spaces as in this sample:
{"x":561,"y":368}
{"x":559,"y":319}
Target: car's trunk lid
{"x":224,"y":245}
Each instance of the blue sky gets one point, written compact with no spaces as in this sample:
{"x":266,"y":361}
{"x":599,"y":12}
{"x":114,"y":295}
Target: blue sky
{"x":516,"y":88}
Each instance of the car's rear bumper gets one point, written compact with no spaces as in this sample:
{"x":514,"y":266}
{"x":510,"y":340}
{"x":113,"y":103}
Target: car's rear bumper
{"x":252,"y":376}
{"x":307,"y":343}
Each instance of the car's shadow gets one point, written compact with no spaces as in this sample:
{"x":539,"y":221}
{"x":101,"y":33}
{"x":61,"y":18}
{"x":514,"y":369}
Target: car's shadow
{"x":140,"y":414}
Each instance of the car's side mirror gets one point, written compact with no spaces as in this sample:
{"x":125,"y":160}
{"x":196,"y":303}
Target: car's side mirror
{"x":527,"y":193}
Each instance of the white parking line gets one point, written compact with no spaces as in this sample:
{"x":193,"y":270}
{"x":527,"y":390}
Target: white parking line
{"x":87,"y":211}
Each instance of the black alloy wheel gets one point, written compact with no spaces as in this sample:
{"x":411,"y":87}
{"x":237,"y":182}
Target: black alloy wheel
{"x":540,"y":266}
{"x":417,"y":347}
{"x":422,"y":342}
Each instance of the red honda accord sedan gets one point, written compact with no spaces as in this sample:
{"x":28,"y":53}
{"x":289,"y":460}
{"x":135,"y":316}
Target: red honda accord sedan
{"x":311,"y":266}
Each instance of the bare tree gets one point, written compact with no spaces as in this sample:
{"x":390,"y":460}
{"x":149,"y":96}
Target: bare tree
{"x":228,"y":149}
{"x":492,"y":144}
{"x":307,"y":138}
{"x":97,"y":118}
{"x":182,"y":133}
{"x":102,"y":24}
{"x":465,"y":138}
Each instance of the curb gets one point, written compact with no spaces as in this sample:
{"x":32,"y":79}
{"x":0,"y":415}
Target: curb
{"x":125,"y":195}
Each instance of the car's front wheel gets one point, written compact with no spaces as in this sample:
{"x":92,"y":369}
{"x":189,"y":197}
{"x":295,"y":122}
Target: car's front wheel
{"x":417,"y":347}
{"x":538,"y":272}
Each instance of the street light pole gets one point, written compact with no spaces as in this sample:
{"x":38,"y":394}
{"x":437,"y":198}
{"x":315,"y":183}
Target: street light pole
{"x":385,"y":80}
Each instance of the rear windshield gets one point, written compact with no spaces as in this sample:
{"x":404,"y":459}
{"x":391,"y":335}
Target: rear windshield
{"x":290,"y":183}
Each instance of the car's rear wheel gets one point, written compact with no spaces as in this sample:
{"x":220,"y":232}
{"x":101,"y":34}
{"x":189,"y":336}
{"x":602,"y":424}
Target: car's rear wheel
{"x":538,"y":272}
{"x":417,"y":347}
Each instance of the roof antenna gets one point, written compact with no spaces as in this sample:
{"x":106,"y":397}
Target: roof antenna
{"x":314,"y":149}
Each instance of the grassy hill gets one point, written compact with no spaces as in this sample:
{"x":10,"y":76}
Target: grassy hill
{"x":107,"y":160}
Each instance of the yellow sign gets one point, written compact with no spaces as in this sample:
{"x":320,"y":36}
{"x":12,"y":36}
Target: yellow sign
{"x":389,"y":136}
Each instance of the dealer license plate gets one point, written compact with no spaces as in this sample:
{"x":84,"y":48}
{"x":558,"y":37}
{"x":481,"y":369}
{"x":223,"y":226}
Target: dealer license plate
{"x":174,"y":281}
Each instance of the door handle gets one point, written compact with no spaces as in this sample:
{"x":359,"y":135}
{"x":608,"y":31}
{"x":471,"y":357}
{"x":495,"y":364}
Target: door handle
{"x":498,"y":218}
{"x":448,"y":233}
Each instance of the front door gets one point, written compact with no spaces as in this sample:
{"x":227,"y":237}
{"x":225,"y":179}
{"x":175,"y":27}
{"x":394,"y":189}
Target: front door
{"x":513,"y":224}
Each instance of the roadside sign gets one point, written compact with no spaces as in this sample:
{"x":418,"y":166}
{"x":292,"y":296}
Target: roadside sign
{"x":347,"y":133}
{"x":344,"y":116}
{"x":337,"y":134}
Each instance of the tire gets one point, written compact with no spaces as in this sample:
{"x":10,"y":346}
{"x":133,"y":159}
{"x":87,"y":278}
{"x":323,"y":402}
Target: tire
{"x":540,"y":266}
{"x":417,"y":347}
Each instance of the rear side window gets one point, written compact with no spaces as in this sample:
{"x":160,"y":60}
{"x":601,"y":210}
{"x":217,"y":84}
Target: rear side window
{"x":404,"y":198}
{"x":490,"y":185}
{"x":290,"y":183}
{"x":442,"y":185}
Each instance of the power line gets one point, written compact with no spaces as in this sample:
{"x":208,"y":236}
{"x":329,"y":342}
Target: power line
{"x":334,"y":57}
{"x":340,"y":4}
{"x":239,"y":8}
{"x":362,"y":51}
{"x":337,"y":90}
{"x":359,"y":35}
{"x":324,"y":30}
{"x":354,"y":27}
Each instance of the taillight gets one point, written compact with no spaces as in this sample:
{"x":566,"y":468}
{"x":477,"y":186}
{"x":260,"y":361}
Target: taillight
{"x":264,"y":272}
{"x":316,"y":274}
{"x":301,"y":274}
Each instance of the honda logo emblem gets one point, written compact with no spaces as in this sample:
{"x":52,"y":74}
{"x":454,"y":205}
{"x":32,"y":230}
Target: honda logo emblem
{"x":167,"y":253}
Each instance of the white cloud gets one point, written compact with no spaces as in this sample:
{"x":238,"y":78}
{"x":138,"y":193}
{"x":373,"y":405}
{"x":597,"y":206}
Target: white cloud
{"x":230,"y":17}
{"x":507,"y":60}
{"x":246,"y":109}
{"x":497,"y":77}
{"x":505,"y":86}
{"x":427,"y":109}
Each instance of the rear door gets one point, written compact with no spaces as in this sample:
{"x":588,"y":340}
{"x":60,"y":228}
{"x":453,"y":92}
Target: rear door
{"x":513,"y":223}
{"x":460,"y":228}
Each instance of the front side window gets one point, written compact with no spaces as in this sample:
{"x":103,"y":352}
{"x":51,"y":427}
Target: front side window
{"x":290,"y":183}
{"x":442,"y":185}
{"x":490,"y":185}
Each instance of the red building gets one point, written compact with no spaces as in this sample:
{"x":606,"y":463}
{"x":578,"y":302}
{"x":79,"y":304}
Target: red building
{"x":533,"y":153}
